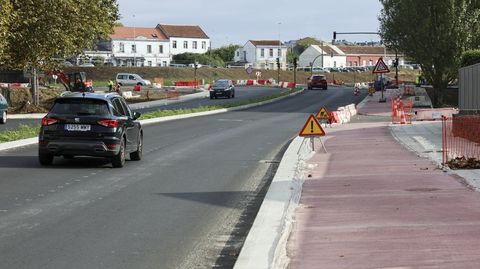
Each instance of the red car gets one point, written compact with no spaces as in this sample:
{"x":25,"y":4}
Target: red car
{"x":317,"y":81}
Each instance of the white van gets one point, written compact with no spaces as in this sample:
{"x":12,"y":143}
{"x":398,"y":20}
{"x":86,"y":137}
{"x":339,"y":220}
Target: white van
{"x":131,"y":79}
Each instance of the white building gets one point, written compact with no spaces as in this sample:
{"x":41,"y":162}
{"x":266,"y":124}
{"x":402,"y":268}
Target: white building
{"x":262,"y":54}
{"x":185,"y":38}
{"x":327,"y":55}
{"x":132,"y":46}
{"x":138,"y":46}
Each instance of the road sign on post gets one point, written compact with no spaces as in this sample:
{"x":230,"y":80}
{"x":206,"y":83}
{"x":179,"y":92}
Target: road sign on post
{"x":380,"y":67}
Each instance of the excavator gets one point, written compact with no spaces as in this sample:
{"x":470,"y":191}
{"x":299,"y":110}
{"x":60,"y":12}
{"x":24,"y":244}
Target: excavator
{"x":74,"y":82}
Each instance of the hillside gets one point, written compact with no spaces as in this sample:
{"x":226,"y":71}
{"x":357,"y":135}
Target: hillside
{"x":103,"y":74}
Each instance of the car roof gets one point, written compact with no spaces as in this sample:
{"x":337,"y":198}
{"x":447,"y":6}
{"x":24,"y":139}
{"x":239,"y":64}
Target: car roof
{"x":100,"y":96}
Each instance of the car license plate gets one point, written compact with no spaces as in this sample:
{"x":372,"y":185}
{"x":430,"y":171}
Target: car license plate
{"x":77,"y":127}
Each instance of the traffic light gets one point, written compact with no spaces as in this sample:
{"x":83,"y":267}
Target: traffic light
{"x":395,"y":62}
{"x":278,"y":62}
{"x":334,"y":35}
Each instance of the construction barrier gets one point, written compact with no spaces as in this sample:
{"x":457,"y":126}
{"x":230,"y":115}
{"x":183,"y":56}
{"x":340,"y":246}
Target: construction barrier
{"x":434,"y":113}
{"x":402,"y":112}
{"x":461,"y":139}
{"x":195,"y":83}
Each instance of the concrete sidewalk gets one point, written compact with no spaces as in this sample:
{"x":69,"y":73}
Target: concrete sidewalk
{"x":371,"y":202}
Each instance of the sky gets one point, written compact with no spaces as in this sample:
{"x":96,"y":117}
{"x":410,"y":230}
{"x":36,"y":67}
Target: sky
{"x":235,"y":22}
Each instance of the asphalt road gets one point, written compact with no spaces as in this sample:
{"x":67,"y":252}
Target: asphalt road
{"x":187,"y":204}
{"x":241,"y":94}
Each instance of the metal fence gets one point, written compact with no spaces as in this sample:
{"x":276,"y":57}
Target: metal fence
{"x":469,"y":85}
{"x":461,"y":138}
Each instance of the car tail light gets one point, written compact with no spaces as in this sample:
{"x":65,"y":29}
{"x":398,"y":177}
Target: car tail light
{"x":43,"y":142}
{"x":108,"y":123}
{"x":48,"y":121}
{"x":111,"y":146}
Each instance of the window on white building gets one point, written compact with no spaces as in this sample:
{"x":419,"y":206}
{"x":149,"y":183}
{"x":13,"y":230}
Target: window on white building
{"x":280,"y":53}
{"x":194,"y":45}
{"x":122,"y":47}
{"x":271,"y":52}
{"x":134,"y":48}
{"x":149,"y":49}
{"x":185,"y":44}
{"x":149,"y":63}
{"x":174,"y":44}
{"x":204,"y":44}
{"x":262,"y":52}
{"x":160,"y":49}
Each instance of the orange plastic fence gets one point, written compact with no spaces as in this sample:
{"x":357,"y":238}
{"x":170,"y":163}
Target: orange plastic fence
{"x":461,"y":137}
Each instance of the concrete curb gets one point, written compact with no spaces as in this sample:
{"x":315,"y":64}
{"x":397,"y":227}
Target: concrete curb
{"x":265,"y":246}
{"x":30,"y":141}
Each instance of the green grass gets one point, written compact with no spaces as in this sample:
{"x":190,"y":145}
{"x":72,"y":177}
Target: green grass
{"x":22,"y":132}
{"x":25,"y":131}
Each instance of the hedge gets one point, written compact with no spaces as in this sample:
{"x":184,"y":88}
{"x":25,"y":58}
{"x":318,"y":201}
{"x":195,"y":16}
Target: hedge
{"x":470,"y":57}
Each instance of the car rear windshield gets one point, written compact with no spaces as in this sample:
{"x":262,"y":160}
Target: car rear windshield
{"x":220,"y":84}
{"x":80,"y":106}
{"x":318,"y":77}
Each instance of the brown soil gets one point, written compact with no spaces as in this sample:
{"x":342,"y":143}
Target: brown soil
{"x":22,"y":101}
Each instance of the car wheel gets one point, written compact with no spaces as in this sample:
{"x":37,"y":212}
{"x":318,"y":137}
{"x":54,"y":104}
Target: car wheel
{"x":211,"y":97}
{"x":3,"y":119}
{"x":45,"y":158}
{"x":137,"y":155}
{"x":310,"y":88}
{"x":233,"y":95}
{"x":118,"y":160}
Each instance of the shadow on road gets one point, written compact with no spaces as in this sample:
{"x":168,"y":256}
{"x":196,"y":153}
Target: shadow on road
{"x":58,"y":162}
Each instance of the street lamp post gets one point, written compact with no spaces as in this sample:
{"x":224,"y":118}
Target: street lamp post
{"x":279,"y":52}
{"x":134,"y":44}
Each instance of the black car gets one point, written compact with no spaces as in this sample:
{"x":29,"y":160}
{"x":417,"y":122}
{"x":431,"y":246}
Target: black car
{"x":89,"y":124}
{"x":222,"y":87}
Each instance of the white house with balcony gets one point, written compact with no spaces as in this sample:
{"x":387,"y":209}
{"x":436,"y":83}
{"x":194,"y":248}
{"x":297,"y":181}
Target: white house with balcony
{"x":185,"y":38}
{"x":133,"y":46}
{"x":326,"y":55}
{"x":262,"y":54}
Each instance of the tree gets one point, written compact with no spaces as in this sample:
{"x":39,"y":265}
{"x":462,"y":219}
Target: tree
{"x":226,"y":53}
{"x":434,"y":33}
{"x":304,"y":43}
{"x":5,"y":20}
{"x":49,"y":29}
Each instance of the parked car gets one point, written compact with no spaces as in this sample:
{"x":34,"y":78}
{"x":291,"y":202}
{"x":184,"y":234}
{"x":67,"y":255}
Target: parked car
{"x":317,"y":81}
{"x":89,"y":124}
{"x":86,"y":65}
{"x":3,"y":109}
{"x":131,"y":79}
{"x":222,"y":87}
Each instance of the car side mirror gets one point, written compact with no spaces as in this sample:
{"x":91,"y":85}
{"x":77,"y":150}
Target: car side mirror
{"x":136,"y":115}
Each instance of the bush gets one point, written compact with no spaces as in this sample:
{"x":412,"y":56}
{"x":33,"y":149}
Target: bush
{"x":470,"y":57}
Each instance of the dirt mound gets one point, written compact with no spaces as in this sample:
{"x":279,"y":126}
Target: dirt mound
{"x":21,"y":100}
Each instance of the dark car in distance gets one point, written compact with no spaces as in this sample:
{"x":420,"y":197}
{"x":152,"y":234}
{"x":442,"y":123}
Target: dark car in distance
{"x":89,"y":124}
{"x":317,"y":81}
{"x":222,"y":88}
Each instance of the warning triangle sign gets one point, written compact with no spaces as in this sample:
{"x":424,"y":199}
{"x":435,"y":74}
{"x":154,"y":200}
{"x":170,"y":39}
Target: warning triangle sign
{"x":380,"y":67}
{"x":312,"y":128}
{"x":323,"y":114}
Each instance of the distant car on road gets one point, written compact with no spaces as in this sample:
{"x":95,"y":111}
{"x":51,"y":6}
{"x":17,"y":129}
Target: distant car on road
{"x":131,"y":79}
{"x":87,"y":65}
{"x":89,"y":124}
{"x":317,"y":81}
{"x":222,"y":87}
{"x":3,"y":109}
